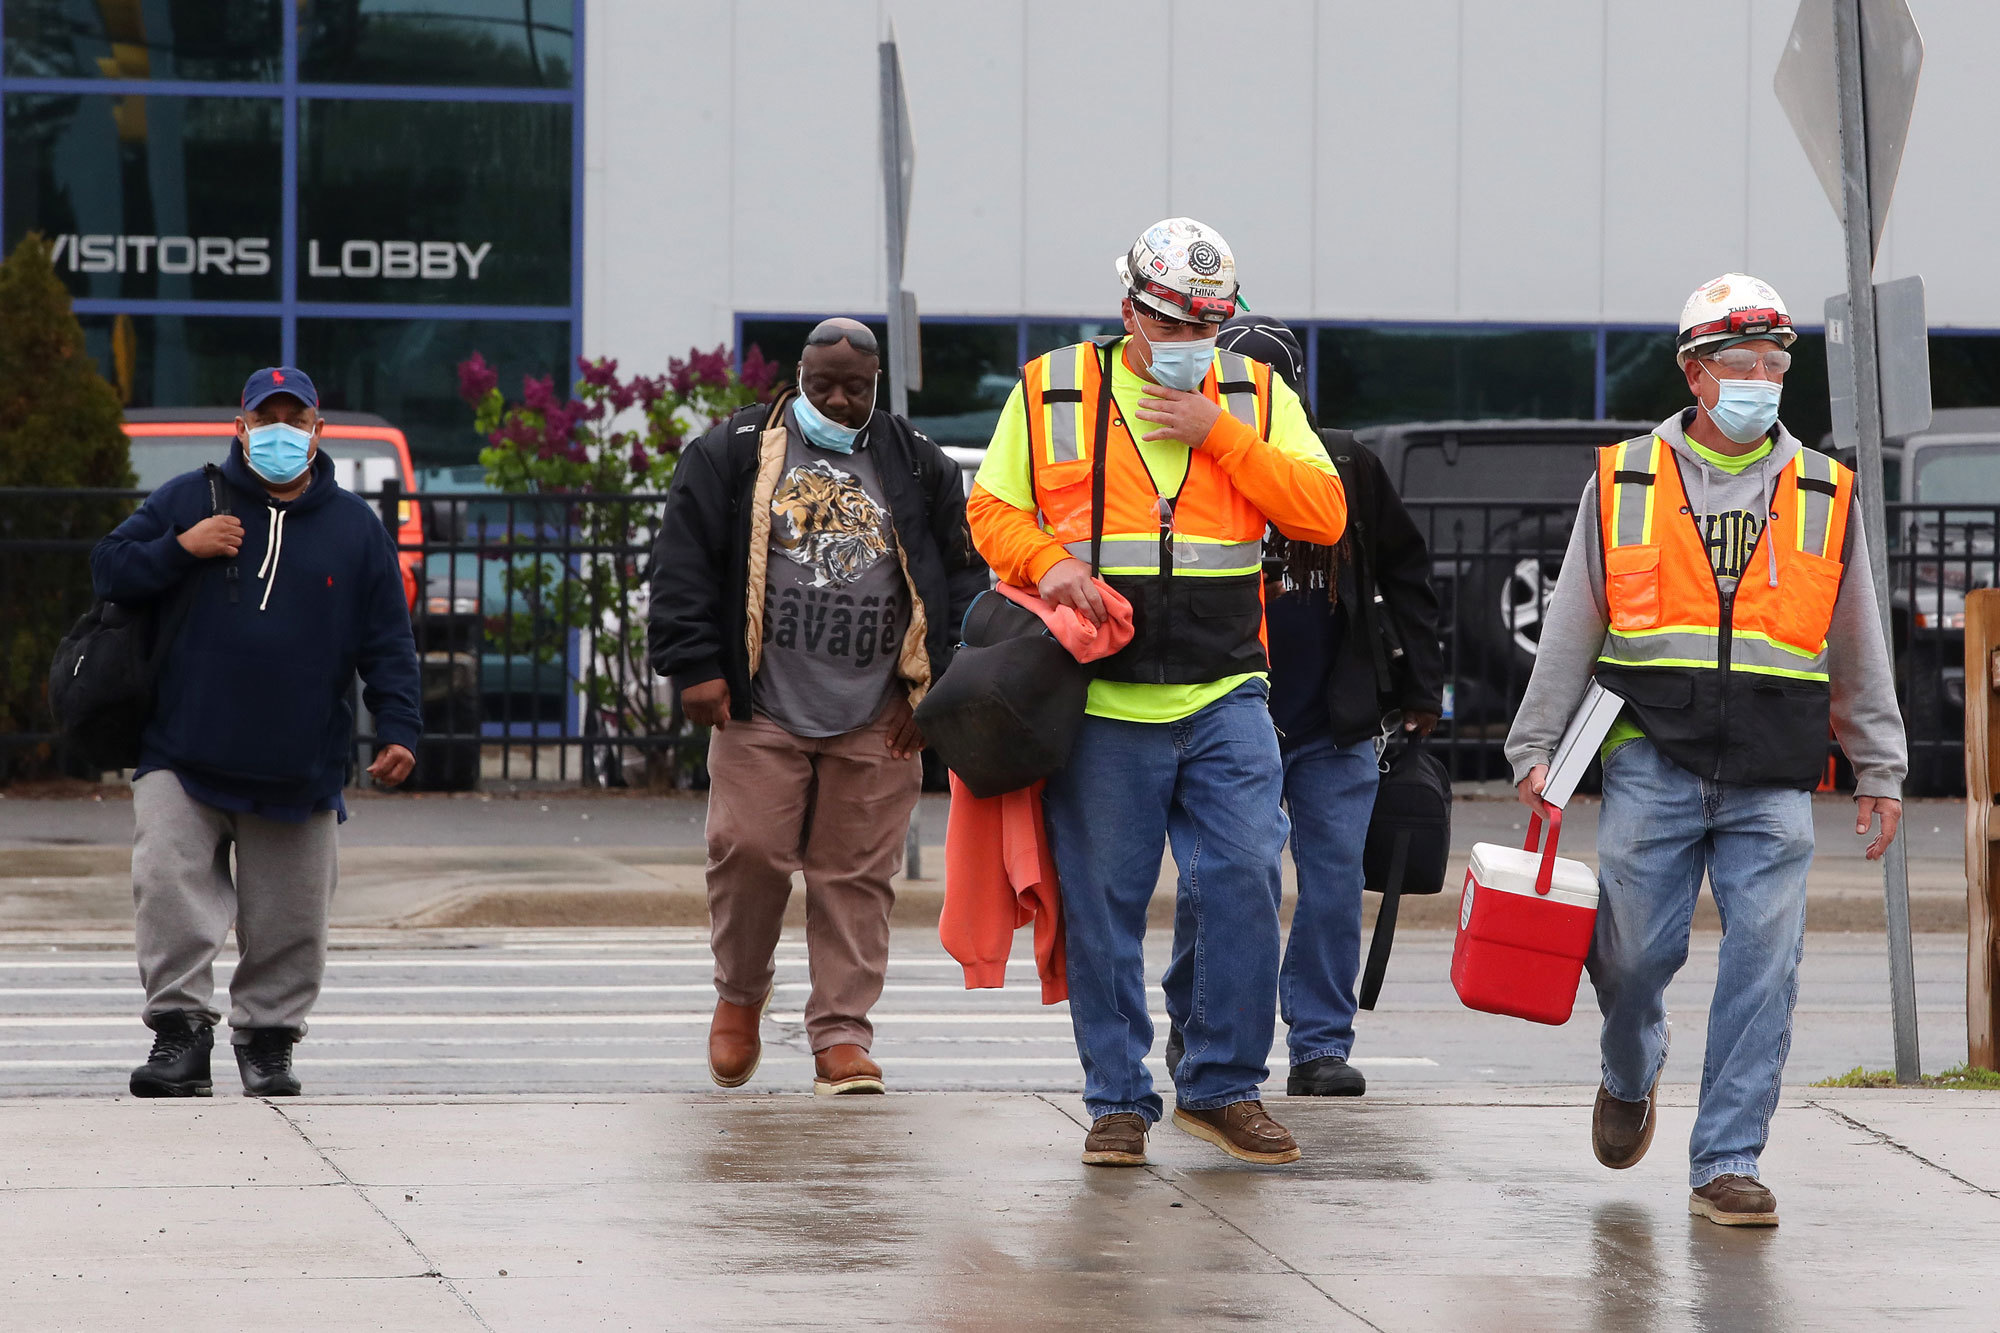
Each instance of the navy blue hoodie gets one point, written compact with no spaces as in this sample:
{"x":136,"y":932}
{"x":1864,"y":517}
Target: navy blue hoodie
{"x":253,"y":709}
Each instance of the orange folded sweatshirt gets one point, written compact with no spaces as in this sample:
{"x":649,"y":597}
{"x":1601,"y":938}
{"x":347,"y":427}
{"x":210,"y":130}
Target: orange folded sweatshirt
{"x":998,"y":876}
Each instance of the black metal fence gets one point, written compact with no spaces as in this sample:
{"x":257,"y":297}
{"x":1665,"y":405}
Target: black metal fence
{"x":530,"y":613}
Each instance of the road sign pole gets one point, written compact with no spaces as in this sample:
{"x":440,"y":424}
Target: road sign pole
{"x":1856,"y":218}
{"x":895,"y":210}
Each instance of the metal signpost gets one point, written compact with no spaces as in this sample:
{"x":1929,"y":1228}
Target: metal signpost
{"x":1847,"y":81}
{"x":899,"y":166}
{"x":905,"y":361}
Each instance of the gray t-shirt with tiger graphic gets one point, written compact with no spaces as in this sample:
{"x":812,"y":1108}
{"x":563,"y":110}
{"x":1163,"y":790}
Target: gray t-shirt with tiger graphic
{"x":835,"y":603}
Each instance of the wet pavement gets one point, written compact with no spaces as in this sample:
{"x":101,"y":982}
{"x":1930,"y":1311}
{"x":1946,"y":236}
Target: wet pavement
{"x":1459,"y":1209}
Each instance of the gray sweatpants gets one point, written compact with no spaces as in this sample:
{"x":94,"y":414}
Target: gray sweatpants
{"x":187,"y":901}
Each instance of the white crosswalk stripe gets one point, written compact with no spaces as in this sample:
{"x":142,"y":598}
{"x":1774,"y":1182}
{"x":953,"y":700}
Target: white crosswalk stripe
{"x":582,"y":1012}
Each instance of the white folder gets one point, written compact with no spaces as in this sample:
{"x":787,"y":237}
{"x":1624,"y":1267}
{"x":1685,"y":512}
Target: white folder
{"x":1580,"y":743}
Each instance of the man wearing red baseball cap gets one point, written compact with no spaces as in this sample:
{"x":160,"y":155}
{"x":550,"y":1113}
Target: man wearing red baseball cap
{"x":247,"y":748}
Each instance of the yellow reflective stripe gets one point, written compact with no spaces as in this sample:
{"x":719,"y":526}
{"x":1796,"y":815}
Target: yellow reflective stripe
{"x":1786,"y":673}
{"x":1632,"y":501}
{"x":1653,"y":447}
{"x":1693,"y":662}
{"x":1765,"y":640}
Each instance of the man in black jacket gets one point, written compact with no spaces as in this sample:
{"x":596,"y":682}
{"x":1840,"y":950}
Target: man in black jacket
{"x":812,"y":570}
{"x":1345,"y":668}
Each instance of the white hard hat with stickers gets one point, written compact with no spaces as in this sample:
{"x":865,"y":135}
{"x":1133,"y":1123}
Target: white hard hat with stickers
{"x":1183,"y":270}
{"x":1729,"y":309}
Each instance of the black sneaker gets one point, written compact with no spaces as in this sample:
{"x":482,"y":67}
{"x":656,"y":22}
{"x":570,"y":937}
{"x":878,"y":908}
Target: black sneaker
{"x":1328,"y":1076}
{"x":1176,"y":1049}
{"x":178,"y":1065}
{"x":265,"y":1061}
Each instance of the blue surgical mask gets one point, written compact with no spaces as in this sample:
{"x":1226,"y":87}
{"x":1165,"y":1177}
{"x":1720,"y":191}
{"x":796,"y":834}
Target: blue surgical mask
{"x":821,"y":430}
{"x":1181,"y":365}
{"x":278,"y":453}
{"x":1745,"y":410}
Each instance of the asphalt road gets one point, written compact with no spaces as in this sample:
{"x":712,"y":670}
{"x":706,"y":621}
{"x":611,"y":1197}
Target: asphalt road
{"x":483,"y":1011}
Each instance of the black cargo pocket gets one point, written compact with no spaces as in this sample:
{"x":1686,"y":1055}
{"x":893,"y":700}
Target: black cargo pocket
{"x":1645,"y":690}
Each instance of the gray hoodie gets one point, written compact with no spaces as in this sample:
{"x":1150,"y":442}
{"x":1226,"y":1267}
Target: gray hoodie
{"x":1865,"y":716}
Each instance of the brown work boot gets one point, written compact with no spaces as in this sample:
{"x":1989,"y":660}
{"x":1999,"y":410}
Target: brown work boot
{"x":1621,"y":1131}
{"x":1735,"y":1201}
{"x":845,"y":1068}
{"x":1243,"y":1130}
{"x":734,"y":1048}
{"x":1118,"y":1139}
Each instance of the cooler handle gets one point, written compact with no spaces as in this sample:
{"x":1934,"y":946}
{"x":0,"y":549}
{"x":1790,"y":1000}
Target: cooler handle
{"x":1545,"y":878}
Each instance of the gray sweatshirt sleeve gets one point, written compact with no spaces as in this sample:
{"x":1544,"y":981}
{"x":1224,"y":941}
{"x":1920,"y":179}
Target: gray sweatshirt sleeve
{"x":1866,"y":719}
{"x":1573,"y":628}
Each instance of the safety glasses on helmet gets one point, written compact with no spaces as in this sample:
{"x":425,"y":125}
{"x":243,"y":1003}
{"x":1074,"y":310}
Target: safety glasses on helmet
{"x":1200,"y":309}
{"x":1745,"y":360}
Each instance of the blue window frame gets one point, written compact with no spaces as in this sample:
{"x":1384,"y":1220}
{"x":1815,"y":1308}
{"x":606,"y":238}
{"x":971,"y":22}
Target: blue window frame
{"x":106,"y":114}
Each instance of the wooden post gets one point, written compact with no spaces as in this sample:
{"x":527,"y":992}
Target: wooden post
{"x":1982,"y":828}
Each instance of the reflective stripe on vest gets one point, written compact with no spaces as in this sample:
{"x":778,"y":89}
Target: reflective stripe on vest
{"x":1660,"y":588}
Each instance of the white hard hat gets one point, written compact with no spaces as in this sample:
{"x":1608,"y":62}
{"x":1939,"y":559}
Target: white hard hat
{"x":1182,"y":270}
{"x":1730,"y":308}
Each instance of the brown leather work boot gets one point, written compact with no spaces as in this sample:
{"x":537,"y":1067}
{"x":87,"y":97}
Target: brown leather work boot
{"x":843,"y":1069}
{"x":1118,"y":1139}
{"x":1621,"y":1131}
{"x":1243,"y":1130}
{"x":734,"y":1048}
{"x":1735,"y":1201}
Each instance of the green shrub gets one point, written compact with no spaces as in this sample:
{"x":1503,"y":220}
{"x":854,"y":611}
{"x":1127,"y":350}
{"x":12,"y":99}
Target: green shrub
{"x":60,"y":426}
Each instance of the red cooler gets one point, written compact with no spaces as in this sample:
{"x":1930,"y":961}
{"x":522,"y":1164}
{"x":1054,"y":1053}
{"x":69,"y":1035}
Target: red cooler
{"x":1524,"y":924}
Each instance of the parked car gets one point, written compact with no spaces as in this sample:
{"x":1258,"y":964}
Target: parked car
{"x":1496,"y":501}
{"x":367,"y":453}
{"x":1937,"y":555}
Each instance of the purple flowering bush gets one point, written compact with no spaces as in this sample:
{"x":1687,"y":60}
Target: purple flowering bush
{"x":613,"y":437}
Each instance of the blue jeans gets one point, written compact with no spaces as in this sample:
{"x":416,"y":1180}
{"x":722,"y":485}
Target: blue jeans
{"x":1209,"y":785}
{"x":1330,"y":794}
{"x":1661,"y":828}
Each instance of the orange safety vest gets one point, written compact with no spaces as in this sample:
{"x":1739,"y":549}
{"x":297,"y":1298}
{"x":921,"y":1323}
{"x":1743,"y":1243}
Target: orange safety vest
{"x":1191,"y":562}
{"x":1735,"y":690}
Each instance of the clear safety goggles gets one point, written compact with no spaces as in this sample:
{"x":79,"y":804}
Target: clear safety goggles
{"x":1746,"y":360}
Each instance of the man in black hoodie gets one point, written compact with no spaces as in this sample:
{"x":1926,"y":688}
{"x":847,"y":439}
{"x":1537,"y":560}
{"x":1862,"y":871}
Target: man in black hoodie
{"x":249,"y":738}
{"x":1345,"y":667}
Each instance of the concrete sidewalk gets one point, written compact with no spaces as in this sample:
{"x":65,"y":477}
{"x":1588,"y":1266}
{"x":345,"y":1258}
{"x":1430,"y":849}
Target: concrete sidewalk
{"x":591,"y":861}
{"x":1472,"y":1210}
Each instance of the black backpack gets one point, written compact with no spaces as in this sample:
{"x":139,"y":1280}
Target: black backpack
{"x":101,"y":684}
{"x":1006,"y":711}
{"x":1409,"y":838}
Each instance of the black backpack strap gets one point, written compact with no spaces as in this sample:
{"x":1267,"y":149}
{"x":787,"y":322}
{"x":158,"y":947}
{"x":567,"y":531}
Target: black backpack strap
{"x":1385,"y":923}
{"x":218,"y":503}
{"x":1099,"y":446}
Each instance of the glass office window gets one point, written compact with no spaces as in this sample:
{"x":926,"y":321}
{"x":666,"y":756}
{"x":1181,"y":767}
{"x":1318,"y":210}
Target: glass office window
{"x":1046,"y":337}
{"x":239,"y":40}
{"x":459,"y":202}
{"x":178,"y":360}
{"x":1371,"y":376}
{"x":969,"y":369}
{"x":493,"y":43}
{"x":407,"y":370}
{"x":1642,"y":381}
{"x":1965,"y":370}
{"x":175,"y":198}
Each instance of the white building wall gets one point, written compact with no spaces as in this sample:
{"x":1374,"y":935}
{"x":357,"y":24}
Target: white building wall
{"x":1562,"y":161}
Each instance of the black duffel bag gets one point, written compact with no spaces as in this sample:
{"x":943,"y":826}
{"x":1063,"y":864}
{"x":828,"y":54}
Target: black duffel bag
{"x":1409,"y":839}
{"x":1006,"y":711}
{"x":103,"y":680}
